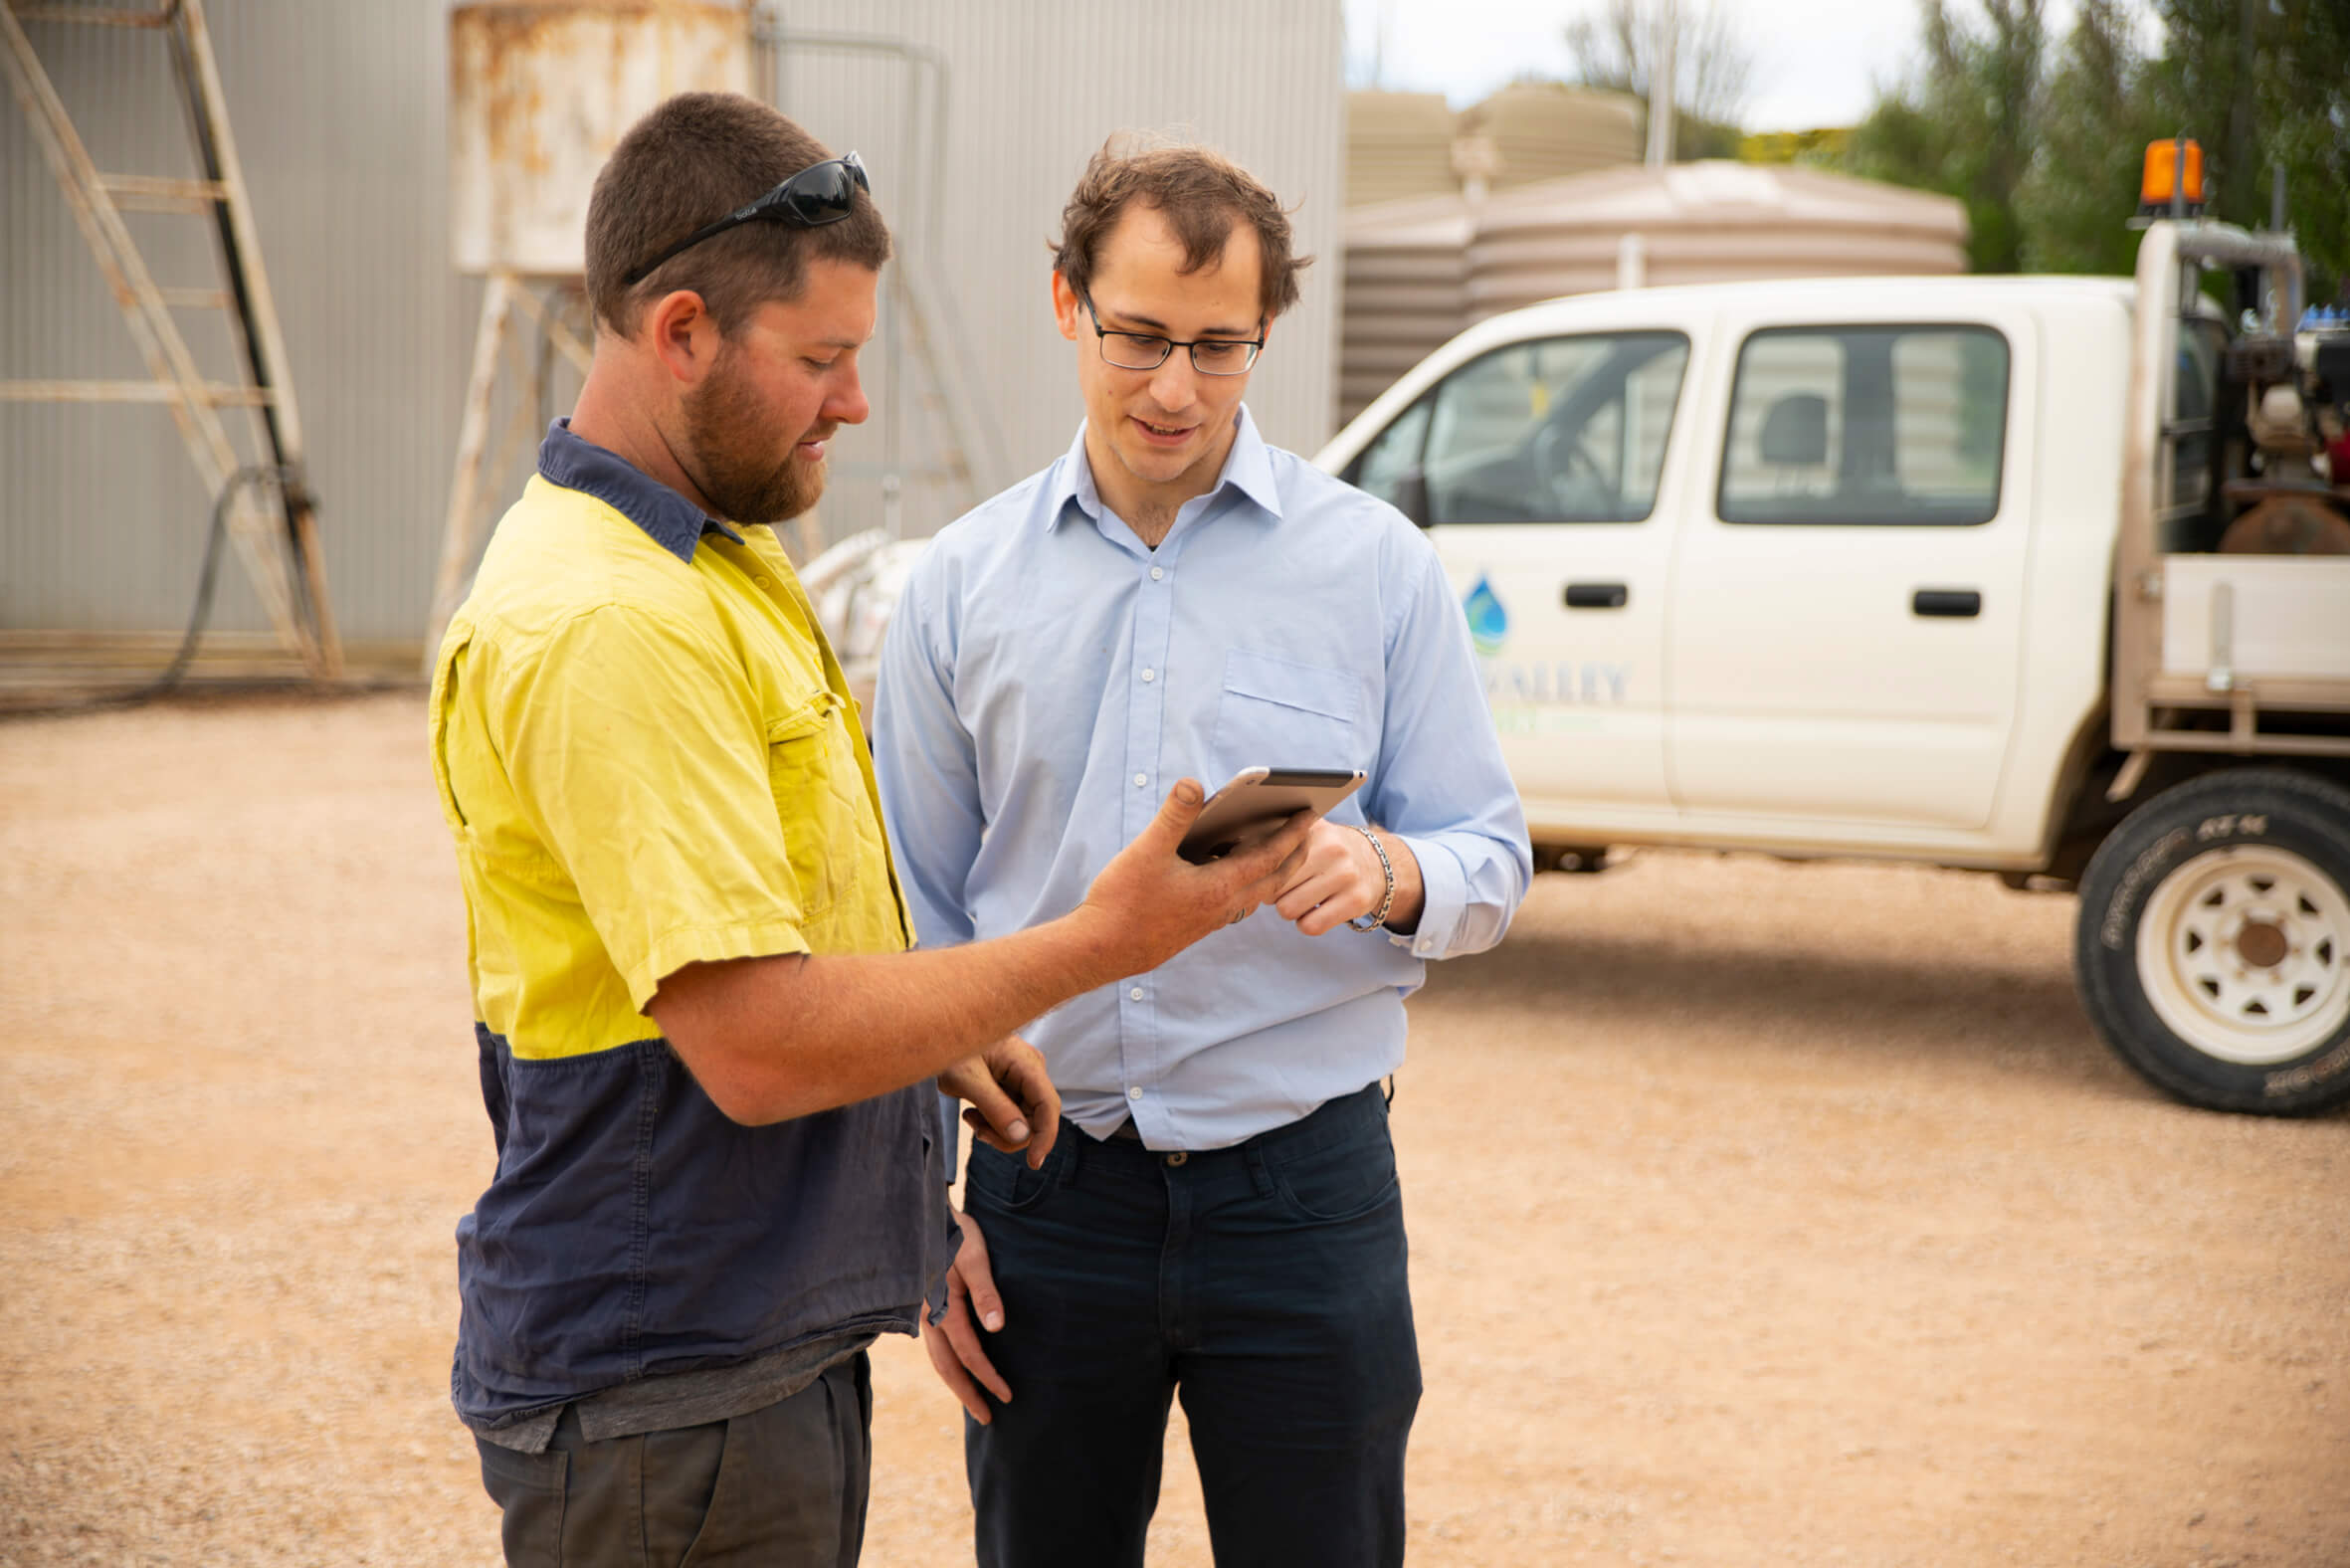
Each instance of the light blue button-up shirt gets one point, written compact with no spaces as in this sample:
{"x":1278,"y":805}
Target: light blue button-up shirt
{"x":1048,"y":677}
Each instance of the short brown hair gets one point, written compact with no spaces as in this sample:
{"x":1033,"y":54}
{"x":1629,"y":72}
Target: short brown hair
{"x":693,"y":159}
{"x":1201,"y":193}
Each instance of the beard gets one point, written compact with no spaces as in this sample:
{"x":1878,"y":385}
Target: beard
{"x":727,"y":438}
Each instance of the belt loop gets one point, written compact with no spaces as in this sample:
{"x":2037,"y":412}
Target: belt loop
{"x":1391,"y":1091}
{"x":1074,"y":1136}
{"x":1258,"y":1176}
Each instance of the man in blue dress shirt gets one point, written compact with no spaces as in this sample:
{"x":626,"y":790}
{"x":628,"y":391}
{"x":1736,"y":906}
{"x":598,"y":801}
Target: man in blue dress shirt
{"x":1174,"y":596}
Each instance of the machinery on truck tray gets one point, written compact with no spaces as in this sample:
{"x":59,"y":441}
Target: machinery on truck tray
{"x":2046,"y":577}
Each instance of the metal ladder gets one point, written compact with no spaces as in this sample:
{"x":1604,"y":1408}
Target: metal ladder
{"x":294,"y":598}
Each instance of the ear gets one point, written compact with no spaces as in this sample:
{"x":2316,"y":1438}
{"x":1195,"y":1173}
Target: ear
{"x":1066,"y":309}
{"x":683,"y":336}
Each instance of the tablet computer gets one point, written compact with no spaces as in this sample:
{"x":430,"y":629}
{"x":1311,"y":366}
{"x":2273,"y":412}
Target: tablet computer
{"x":1259,"y":800}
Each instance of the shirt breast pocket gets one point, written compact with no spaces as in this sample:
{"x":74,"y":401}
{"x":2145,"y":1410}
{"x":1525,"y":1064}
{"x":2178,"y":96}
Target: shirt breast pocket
{"x":812,"y":770}
{"x":1282,"y":713}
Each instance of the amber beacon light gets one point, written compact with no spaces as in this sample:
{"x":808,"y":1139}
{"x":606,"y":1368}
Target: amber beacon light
{"x":2173,"y":180}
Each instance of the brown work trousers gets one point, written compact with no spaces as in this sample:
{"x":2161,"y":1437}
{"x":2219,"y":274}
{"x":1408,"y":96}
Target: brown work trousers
{"x":782,"y":1486}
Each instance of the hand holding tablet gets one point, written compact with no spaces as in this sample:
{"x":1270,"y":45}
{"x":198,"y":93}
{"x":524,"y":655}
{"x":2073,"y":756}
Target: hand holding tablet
{"x":1259,"y":800}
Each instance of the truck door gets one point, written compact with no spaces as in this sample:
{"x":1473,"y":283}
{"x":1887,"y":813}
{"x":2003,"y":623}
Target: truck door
{"x":1847,"y":613}
{"x":1538,"y":465}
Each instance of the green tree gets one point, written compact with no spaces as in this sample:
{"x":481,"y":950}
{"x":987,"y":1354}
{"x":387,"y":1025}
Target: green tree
{"x":2266,"y":85}
{"x":2046,"y":159}
{"x":2096,"y":118}
{"x":1964,"y":122}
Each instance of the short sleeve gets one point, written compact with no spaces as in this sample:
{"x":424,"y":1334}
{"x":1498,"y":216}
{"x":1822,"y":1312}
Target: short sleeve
{"x":636,"y":750}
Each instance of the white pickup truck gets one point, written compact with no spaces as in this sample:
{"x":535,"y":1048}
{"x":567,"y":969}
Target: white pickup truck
{"x":2033,"y":575}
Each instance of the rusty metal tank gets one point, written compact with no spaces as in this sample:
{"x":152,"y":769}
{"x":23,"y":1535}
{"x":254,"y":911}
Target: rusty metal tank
{"x":540,"y":93}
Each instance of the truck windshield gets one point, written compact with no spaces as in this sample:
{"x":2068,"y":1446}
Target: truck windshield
{"x":1553,"y":430}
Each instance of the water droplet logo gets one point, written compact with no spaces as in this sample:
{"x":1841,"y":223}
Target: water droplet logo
{"x":1489,"y":623}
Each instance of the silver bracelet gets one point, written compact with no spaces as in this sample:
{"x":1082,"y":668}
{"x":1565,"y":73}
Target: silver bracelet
{"x":1377,"y":917}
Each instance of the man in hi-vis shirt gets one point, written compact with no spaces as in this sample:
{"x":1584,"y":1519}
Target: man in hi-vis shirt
{"x":708,"y":1060}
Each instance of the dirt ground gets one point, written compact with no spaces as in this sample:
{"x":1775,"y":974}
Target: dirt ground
{"x":1761,"y":1214}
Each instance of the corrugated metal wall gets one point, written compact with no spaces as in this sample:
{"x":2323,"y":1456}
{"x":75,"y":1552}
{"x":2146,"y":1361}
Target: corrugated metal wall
{"x":338,"y":116}
{"x":1033,"y":89}
{"x":340,"y":113}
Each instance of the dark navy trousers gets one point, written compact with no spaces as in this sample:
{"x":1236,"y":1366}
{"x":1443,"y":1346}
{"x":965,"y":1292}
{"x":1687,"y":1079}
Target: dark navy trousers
{"x":1265,"y":1283}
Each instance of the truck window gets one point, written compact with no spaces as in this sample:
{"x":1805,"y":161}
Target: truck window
{"x":1392,"y":454}
{"x":2195,"y":401}
{"x":1558,"y":430}
{"x":1885,"y":425}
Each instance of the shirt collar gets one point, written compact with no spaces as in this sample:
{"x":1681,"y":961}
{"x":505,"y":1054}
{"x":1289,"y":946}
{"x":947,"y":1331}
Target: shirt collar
{"x":1248,"y":468}
{"x":668,"y":519}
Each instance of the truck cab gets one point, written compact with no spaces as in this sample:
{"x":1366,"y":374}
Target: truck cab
{"x":1830,"y":568}
{"x":1766,"y":562}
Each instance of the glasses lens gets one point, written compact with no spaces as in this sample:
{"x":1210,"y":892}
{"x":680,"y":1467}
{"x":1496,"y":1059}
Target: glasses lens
{"x":819,"y":195}
{"x":1213,"y":358}
{"x":1134,"y":351}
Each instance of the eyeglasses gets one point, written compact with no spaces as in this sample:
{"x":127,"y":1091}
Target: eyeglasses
{"x":819,"y":194}
{"x":1210,"y":356}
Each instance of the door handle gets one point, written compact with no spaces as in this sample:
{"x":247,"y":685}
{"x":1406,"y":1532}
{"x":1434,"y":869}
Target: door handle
{"x":1597,"y":596}
{"x":1958,"y":604}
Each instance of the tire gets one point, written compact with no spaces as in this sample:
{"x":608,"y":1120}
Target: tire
{"x":2212,"y":950}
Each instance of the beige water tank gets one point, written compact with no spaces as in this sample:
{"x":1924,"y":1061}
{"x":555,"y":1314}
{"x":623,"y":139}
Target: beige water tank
{"x":1542,"y":130}
{"x":1707,"y":222}
{"x":1406,"y":265}
{"x":541,"y":92}
{"x":1398,"y":144}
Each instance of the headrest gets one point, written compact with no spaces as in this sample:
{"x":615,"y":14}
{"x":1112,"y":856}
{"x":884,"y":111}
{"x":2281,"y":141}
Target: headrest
{"x":1796,"y":429}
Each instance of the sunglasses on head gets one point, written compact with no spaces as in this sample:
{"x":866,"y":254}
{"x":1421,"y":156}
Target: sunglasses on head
{"x":819,"y":194}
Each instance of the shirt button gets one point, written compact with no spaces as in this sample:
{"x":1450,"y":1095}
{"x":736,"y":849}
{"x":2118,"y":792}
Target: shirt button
{"x":1142,"y":779}
{"x":1150,"y":674}
{"x":1135,"y":1092}
{"x":1136,"y":993}
{"x":1156,"y":574}
{"x":762,"y":582}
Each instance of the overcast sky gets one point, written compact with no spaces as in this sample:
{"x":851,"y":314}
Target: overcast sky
{"x":1815,"y":62}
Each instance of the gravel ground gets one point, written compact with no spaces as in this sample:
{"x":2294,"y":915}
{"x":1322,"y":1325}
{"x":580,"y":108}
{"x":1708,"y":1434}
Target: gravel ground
{"x":1761,"y":1214}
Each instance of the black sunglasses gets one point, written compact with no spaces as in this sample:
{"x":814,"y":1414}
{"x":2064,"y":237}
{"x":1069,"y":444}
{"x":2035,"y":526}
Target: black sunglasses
{"x":819,"y":194}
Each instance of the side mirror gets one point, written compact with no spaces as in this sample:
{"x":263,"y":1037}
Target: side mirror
{"x":1411,"y":496}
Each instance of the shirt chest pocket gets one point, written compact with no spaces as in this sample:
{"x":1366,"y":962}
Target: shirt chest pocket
{"x":1282,"y":713}
{"x":819,"y":796}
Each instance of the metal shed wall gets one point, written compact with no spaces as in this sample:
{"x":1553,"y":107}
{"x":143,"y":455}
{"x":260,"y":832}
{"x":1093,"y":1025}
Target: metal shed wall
{"x":1034,"y":88}
{"x":340,"y":112}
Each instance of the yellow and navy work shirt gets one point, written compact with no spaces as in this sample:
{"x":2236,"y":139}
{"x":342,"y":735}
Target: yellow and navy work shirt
{"x":649,"y":757}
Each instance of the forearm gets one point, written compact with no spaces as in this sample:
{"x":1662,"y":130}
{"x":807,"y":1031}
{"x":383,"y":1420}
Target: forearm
{"x":771,"y":1039}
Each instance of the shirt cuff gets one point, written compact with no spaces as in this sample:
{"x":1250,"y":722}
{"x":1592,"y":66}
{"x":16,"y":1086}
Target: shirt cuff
{"x":1444,"y":894}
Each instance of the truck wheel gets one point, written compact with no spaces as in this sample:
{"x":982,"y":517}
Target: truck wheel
{"x":2213,"y":950}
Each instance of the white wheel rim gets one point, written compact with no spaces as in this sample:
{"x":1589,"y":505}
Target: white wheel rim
{"x":2244,"y":952}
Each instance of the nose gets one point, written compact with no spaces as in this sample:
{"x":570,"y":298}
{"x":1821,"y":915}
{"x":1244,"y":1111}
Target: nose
{"x":846,"y":404}
{"x":1175,"y":385}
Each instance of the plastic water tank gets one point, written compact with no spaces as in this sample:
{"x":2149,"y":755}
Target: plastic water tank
{"x":1707,"y":222}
